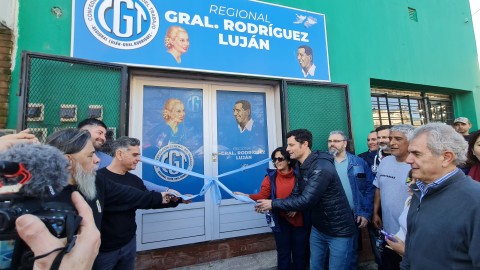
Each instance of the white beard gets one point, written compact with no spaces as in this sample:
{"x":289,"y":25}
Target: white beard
{"x":85,"y":182}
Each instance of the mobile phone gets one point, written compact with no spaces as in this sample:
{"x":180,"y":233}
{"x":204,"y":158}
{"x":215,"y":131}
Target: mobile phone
{"x":389,"y":236}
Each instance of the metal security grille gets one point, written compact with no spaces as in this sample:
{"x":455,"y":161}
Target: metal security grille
{"x":393,"y":107}
{"x":319,"y":109}
{"x":58,"y":92}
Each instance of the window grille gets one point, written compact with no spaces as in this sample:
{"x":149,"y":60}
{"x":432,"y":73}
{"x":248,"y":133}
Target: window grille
{"x":393,"y":107}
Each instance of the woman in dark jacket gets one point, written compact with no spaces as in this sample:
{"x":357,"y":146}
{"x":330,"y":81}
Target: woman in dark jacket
{"x":289,"y":228}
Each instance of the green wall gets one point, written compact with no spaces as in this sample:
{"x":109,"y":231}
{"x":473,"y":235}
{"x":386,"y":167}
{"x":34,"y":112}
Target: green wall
{"x":375,"y":39}
{"x":368,"y":39}
{"x":39,"y":30}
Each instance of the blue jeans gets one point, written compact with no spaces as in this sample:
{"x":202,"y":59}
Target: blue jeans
{"x":354,"y":258}
{"x":120,"y":259}
{"x":340,"y":251}
{"x":292,"y":246}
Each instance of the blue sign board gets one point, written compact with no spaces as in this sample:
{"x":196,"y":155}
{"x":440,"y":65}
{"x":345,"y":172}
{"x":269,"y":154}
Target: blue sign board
{"x":228,"y":37}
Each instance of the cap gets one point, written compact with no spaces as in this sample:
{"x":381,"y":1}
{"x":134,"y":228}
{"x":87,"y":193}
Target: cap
{"x":461,"y":120}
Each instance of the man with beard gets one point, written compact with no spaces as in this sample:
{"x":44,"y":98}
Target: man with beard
{"x":356,"y":179}
{"x":383,"y":141}
{"x":98,"y":132}
{"x":392,"y":190}
{"x":100,"y":193}
{"x":318,"y":189}
{"x":462,"y":125}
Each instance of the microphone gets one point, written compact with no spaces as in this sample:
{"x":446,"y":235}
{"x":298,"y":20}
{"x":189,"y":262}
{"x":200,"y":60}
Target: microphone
{"x":7,"y":167}
{"x":48,"y":166}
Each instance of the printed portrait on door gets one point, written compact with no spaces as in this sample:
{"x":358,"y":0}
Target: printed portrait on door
{"x":242,"y":138}
{"x":173,"y":134}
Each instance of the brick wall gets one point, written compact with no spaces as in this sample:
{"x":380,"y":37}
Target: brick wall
{"x":5,"y":72}
{"x":168,"y":258}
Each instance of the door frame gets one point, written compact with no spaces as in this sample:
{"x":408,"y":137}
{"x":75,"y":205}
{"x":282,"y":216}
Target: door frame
{"x":274,"y":122}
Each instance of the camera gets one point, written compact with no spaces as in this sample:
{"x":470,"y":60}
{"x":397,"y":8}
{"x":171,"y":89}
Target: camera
{"x":53,"y":214}
{"x":60,"y":218}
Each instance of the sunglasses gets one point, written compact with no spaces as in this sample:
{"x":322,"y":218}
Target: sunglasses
{"x":279,"y":159}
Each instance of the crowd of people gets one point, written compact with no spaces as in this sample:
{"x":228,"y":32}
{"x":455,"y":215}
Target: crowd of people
{"x":415,"y":189}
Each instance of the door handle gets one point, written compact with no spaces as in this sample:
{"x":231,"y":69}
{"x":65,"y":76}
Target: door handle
{"x":214,"y":157}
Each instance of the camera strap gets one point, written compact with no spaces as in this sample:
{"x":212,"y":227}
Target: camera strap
{"x":72,"y":224}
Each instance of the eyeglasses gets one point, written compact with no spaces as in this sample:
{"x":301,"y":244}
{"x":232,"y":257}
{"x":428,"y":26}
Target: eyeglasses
{"x":278,"y":159}
{"x":335,"y":141}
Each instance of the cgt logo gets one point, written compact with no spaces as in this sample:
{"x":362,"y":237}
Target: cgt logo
{"x":122,"y":24}
{"x":175,"y":155}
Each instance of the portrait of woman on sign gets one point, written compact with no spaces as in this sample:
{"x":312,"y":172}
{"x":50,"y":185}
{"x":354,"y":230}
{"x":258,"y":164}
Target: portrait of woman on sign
{"x":177,"y":42}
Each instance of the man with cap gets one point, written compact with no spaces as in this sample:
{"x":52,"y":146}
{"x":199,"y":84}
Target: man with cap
{"x":462,"y":125}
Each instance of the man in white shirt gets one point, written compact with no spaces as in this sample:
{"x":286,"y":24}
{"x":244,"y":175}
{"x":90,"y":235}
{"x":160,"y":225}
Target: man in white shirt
{"x":392,"y":189}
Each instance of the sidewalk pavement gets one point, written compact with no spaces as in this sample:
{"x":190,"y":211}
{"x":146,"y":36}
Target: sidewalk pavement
{"x":258,"y":261}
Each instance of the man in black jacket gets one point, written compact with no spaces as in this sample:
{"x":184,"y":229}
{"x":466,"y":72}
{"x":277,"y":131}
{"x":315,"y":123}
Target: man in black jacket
{"x":118,"y":248}
{"x":319,"y":190}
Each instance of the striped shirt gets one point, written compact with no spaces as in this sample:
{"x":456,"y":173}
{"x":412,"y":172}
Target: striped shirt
{"x":425,"y":187}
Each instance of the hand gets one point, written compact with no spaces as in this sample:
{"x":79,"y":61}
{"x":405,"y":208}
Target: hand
{"x":10,"y":140}
{"x":36,"y":235}
{"x":362,"y":222}
{"x":377,"y":221}
{"x":188,"y":201}
{"x":240,"y":193}
{"x":291,"y":214}
{"x":263,"y":205}
{"x":173,"y":191}
{"x":173,"y":195}
{"x":166,"y":197}
{"x":398,"y":246}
